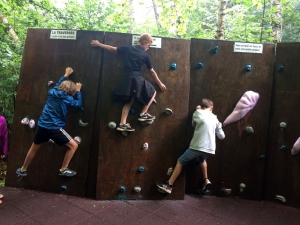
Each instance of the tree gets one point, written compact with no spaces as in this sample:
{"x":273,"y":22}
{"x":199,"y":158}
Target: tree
{"x":221,"y":19}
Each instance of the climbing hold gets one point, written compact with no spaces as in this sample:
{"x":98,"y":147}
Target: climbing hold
{"x":282,"y":126}
{"x":132,"y":112}
{"x":154,"y":100}
{"x":51,"y":141}
{"x":112,"y":125}
{"x":262,"y":157}
{"x":50,"y":82}
{"x":63,"y":187}
{"x":282,"y":148}
{"x":137,"y":189}
{"x":145,"y":146}
{"x":248,"y":68}
{"x":242,"y":186}
{"x":173,"y":66}
{"x":215,"y":49}
{"x":122,"y":189}
{"x":296,"y":148}
{"x":77,"y":139}
{"x":124,"y":133}
{"x":168,"y":111}
{"x":170,"y":171}
{"x":199,"y":65}
{"x":141,"y":169}
{"x":25,"y":121}
{"x":244,"y":105}
{"x":226,"y":191}
{"x":281,"y":198}
{"x":82,"y":124}
{"x":31,"y":123}
{"x":281,"y":69}
{"x":249,"y":130}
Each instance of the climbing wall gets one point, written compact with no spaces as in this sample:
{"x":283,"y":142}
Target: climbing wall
{"x":220,"y":74}
{"x":45,"y":60}
{"x":125,"y":169}
{"x":282,"y":168}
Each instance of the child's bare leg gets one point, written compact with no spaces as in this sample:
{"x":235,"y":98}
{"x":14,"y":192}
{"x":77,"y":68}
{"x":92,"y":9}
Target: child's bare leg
{"x":30,"y":155}
{"x":69,"y":154}
{"x":175,"y":173}
{"x":203,"y":167}
{"x":125,"y":111}
{"x":146,"y":107}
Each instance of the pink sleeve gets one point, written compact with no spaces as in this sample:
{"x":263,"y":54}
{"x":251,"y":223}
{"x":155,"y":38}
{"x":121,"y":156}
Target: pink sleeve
{"x":3,"y":135}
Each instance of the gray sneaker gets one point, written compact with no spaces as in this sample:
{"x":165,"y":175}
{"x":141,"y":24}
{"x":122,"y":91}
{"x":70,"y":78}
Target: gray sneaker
{"x":67,"y":173}
{"x":21,"y":172}
{"x":125,"y":127}
{"x":145,"y":117}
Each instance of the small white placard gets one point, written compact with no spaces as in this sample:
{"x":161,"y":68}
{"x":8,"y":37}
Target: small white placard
{"x":247,"y":47}
{"x":156,"y":41}
{"x":63,"y":34}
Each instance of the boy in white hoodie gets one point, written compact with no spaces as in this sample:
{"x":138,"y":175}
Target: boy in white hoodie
{"x":207,"y":126}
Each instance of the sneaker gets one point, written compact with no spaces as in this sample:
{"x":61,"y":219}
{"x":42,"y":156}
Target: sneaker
{"x":165,"y":186}
{"x":125,"y":127}
{"x":67,"y":173}
{"x":21,"y":172}
{"x":205,"y":188}
{"x":146,"y":116}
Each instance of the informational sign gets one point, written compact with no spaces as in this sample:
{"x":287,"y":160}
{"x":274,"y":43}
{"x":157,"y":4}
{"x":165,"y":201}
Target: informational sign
{"x":63,"y":34}
{"x":156,"y":41}
{"x":247,"y":47}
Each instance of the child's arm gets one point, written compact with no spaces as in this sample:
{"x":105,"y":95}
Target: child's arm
{"x":157,"y":80}
{"x":219,"y":131}
{"x":96,"y":43}
{"x":77,"y":103}
{"x":68,"y":72}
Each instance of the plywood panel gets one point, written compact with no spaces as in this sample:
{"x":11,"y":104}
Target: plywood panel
{"x":120,"y":156}
{"x":282,"y":168}
{"x":45,"y":59}
{"x":224,"y":80}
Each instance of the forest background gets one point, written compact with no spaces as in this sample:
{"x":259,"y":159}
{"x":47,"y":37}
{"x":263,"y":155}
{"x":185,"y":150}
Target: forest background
{"x":259,"y":21}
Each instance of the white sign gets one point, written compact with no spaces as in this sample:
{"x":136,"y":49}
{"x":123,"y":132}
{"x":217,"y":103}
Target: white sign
{"x":247,"y":47}
{"x":63,"y":34}
{"x":156,"y":41}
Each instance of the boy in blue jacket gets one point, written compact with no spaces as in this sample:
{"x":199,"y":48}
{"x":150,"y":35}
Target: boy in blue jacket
{"x":52,"y":120}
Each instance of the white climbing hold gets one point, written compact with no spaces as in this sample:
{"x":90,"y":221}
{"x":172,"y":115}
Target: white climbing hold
{"x":249,"y":130}
{"x":82,"y":124}
{"x":137,"y":189}
{"x":50,"y":82}
{"x":31,"y":123}
{"x":112,"y":125}
{"x":77,"y":139}
{"x":25,"y":121}
{"x":145,"y":146}
{"x":281,"y":198}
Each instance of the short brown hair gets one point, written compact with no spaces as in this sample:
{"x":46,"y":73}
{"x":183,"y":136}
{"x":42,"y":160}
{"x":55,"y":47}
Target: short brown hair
{"x":68,"y":86}
{"x":206,"y":103}
{"x":145,"y":37}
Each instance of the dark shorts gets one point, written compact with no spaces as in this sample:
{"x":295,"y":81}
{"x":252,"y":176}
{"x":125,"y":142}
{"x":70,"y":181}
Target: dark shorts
{"x":190,"y":154}
{"x":133,"y":86}
{"x":60,"y":136}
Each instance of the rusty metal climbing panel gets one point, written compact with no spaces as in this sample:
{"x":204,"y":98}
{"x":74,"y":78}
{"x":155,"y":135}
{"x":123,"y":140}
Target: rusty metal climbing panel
{"x":222,"y":75}
{"x":282,"y":168}
{"x":45,"y":60}
{"x":119,"y":173}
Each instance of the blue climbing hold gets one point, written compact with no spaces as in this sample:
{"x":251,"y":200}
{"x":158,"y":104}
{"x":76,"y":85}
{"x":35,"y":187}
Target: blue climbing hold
{"x":281,"y":69}
{"x":262,"y":157}
{"x":199,"y":65}
{"x":248,"y":68}
{"x":132,"y":112}
{"x":282,"y":148}
{"x":63,"y":187}
{"x":141,"y":169}
{"x":173,"y":66}
{"x":122,"y":189}
{"x":215,"y":49}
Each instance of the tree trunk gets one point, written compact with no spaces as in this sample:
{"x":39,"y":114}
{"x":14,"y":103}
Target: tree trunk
{"x":276,"y":21}
{"x":9,"y":29}
{"x":156,"y":15}
{"x":221,"y":18}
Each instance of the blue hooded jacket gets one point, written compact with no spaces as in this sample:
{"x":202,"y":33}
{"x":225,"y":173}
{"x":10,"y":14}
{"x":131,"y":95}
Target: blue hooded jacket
{"x":56,"y":107}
